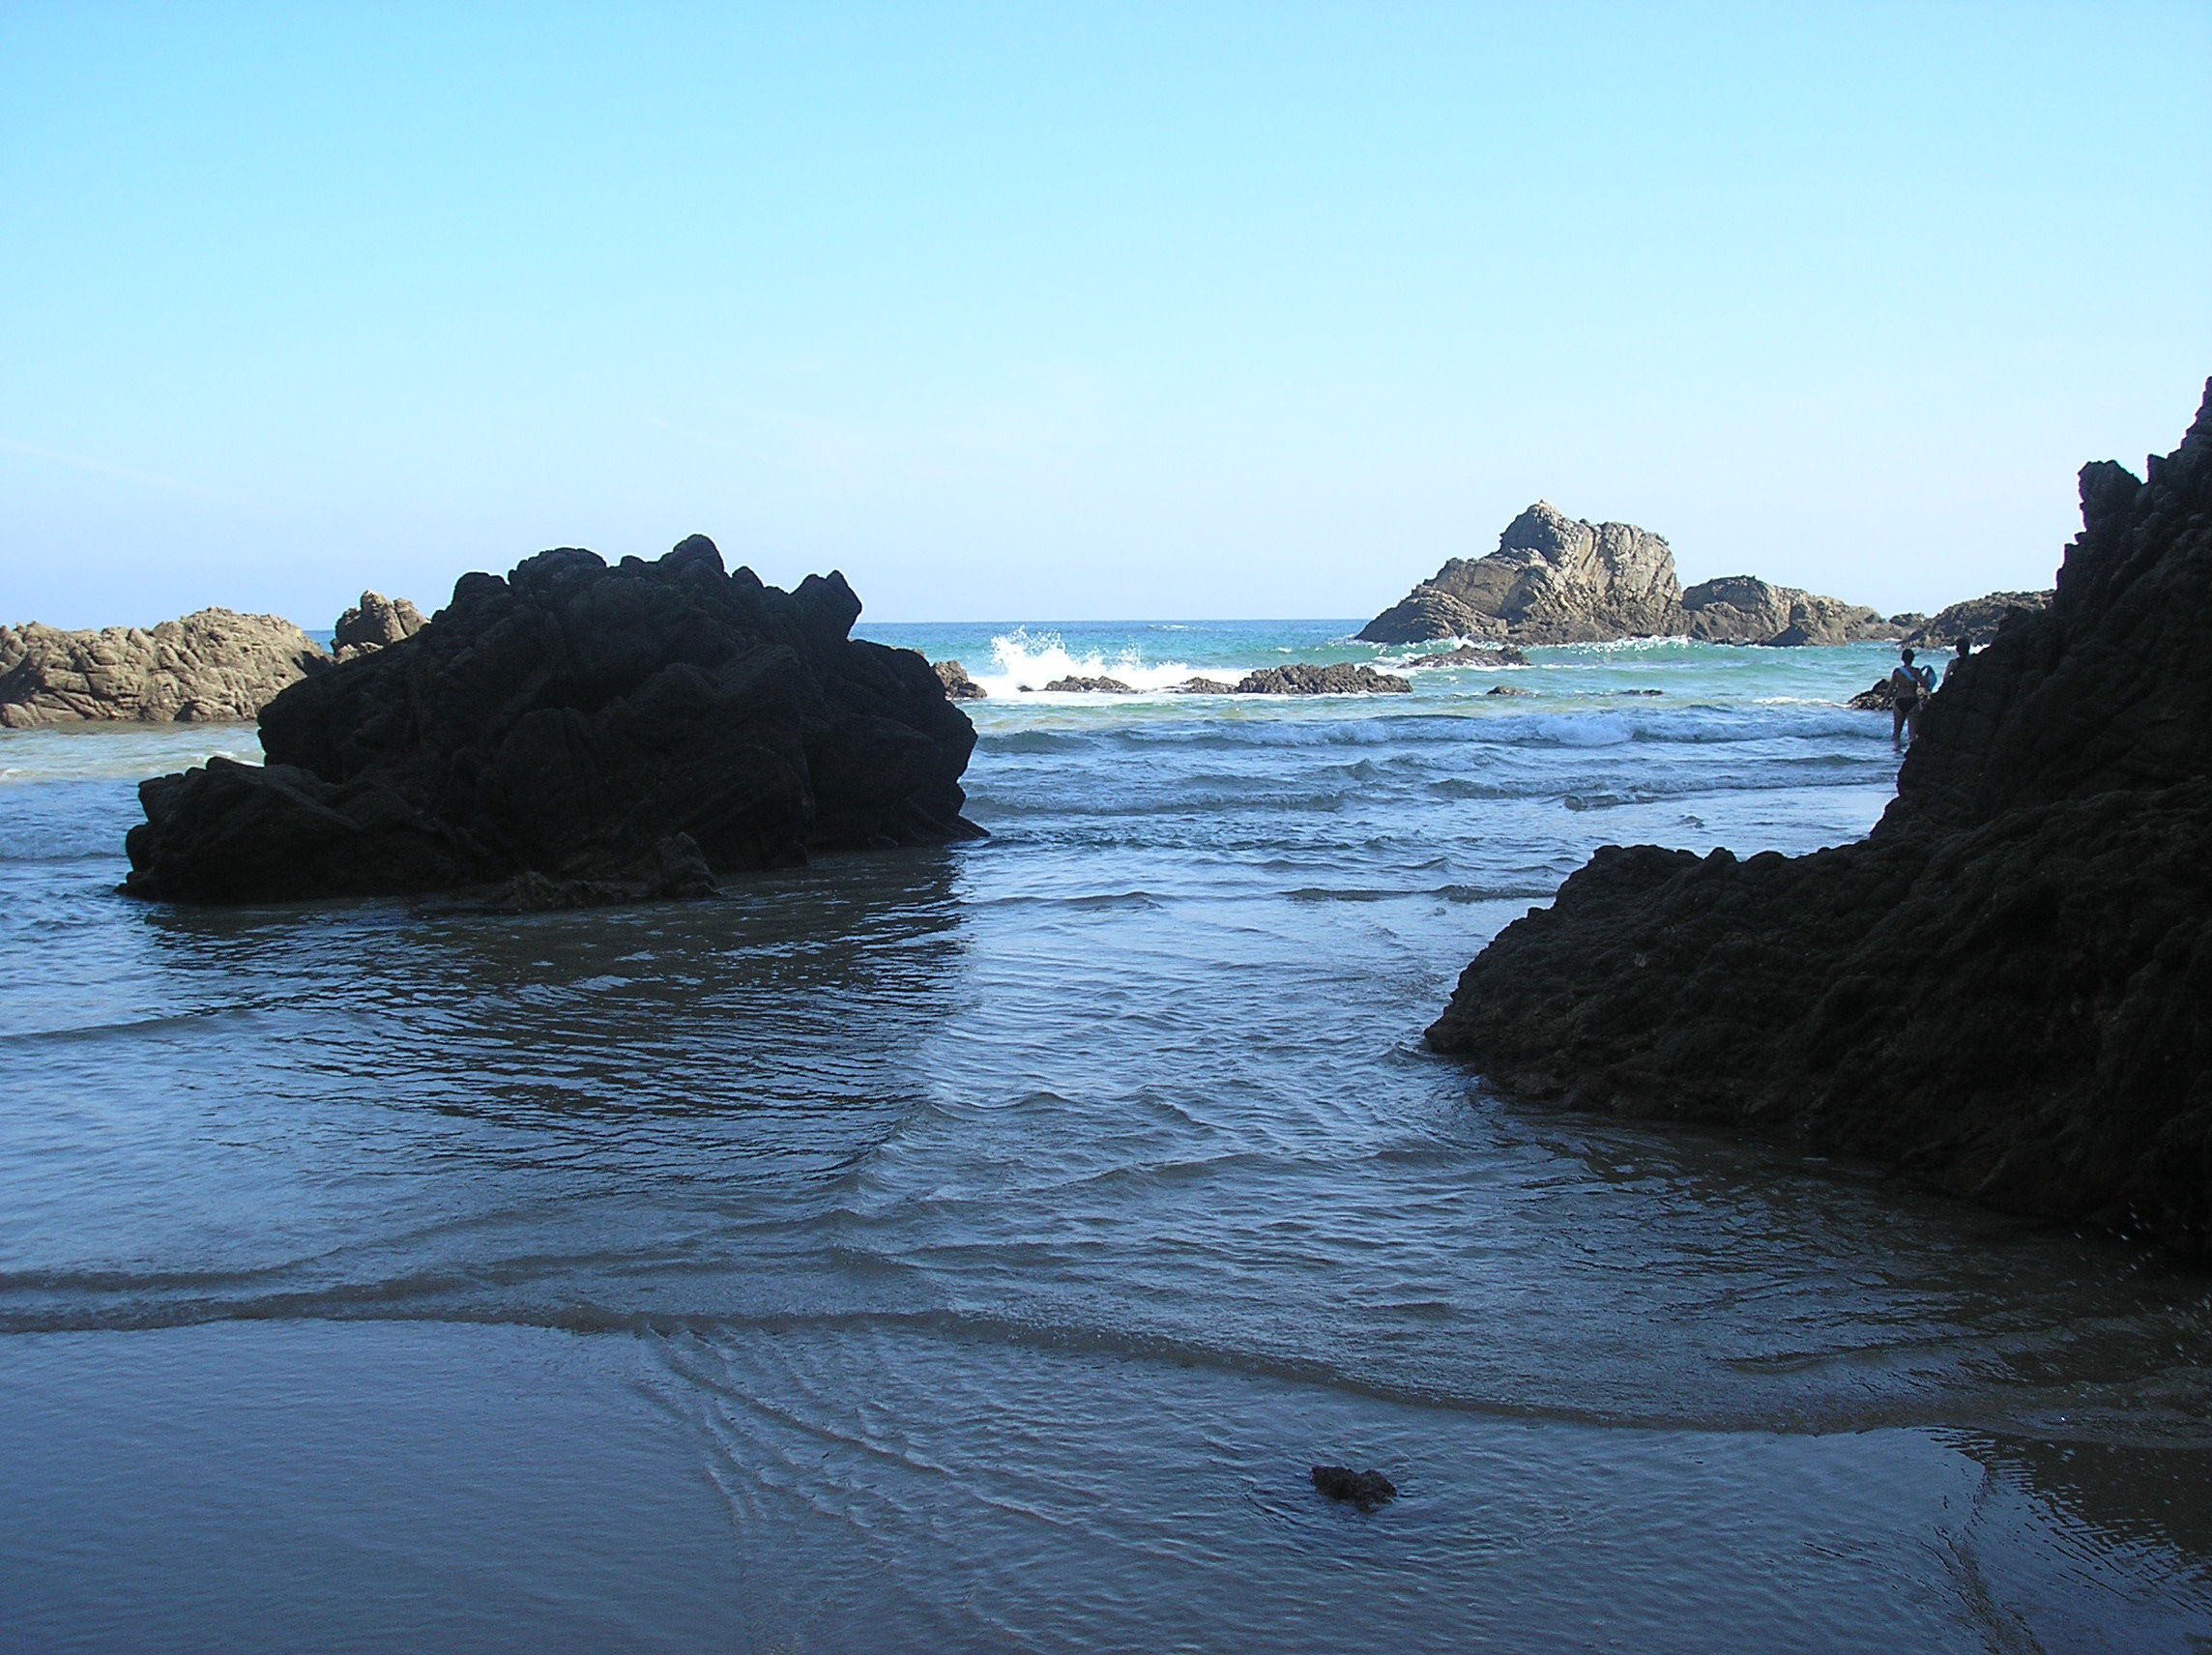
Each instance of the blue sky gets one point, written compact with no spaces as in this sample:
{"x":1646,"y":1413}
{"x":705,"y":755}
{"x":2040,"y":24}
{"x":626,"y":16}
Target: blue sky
{"x":1061,"y":311}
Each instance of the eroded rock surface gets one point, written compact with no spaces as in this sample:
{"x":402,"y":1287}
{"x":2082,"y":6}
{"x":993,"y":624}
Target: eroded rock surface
{"x":375,"y":622}
{"x":1556,"y":579}
{"x":1743,"y":609}
{"x":2007,"y":987}
{"x":1301,"y":678}
{"x":213,"y":666}
{"x":958,"y":685}
{"x":1977,"y":619}
{"x":567,"y":721}
{"x":1077,"y":686}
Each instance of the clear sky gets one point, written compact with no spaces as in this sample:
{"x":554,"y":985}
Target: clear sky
{"x":1061,"y":311}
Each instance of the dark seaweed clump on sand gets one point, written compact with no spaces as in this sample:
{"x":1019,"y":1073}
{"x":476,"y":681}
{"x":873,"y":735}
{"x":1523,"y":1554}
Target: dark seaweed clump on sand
{"x":566,"y":721}
{"x":2007,"y":987}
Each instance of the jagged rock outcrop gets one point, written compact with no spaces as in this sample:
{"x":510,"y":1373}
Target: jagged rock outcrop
{"x":213,"y":666}
{"x":958,"y":685}
{"x":1202,"y":686}
{"x":567,"y":721}
{"x":374,"y":623}
{"x":1557,"y":580}
{"x":1078,"y":686}
{"x":1301,"y":678}
{"x":2007,"y":987}
{"x":1743,"y":609}
{"x":1553,"y":580}
{"x":1976,"y":619}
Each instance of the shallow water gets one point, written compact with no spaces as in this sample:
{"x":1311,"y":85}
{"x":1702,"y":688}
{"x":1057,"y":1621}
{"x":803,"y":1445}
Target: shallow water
{"x":973,"y":1249}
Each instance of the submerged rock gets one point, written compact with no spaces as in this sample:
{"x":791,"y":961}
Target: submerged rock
{"x":1507,"y":690}
{"x":375,"y":622}
{"x":1554,"y":579}
{"x":1088,"y":686}
{"x":1204,"y":687}
{"x":567,"y":721}
{"x":213,"y":666}
{"x":1365,"y":1490}
{"x":2007,"y":987}
{"x":958,"y":685}
{"x":1303,"y":679}
{"x":1473,"y":655}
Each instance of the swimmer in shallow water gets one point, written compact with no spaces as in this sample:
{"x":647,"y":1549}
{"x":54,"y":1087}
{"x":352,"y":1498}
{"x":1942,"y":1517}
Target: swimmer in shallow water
{"x":1909,"y":687}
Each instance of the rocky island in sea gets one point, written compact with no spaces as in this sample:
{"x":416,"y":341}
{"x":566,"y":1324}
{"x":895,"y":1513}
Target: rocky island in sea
{"x":569,"y":721}
{"x":1554,"y":579}
{"x":2007,"y":988}
{"x":213,"y":666}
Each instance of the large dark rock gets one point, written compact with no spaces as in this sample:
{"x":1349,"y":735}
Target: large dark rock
{"x":567,"y":721}
{"x":213,"y":666}
{"x":1554,"y":579}
{"x":2007,"y":987}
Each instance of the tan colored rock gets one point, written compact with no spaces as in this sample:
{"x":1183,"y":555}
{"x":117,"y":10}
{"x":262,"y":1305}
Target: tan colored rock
{"x":374,"y":623}
{"x":213,"y":666}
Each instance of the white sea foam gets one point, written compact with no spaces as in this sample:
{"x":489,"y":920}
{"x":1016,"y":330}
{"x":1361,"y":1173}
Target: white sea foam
{"x":1022,"y":658}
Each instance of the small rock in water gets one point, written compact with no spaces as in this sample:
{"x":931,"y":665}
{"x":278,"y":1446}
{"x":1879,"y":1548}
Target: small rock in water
{"x":1088,"y":686}
{"x":1301,"y":678}
{"x":1639,"y":692}
{"x":1507,"y":690}
{"x":958,"y":685}
{"x":1876,"y":699}
{"x":1204,"y":686}
{"x":1365,"y":1490}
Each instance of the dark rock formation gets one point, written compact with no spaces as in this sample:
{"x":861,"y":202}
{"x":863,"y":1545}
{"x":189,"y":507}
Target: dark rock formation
{"x":1557,"y":580}
{"x":1878,"y":697}
{"x":1743,"y":609}
{"x":1472,"y":656}
{"x":1305,"y":678}
{"x":567,"y":721}
{"x":210,"y":667}
{"x":1507,"y":690}
{"x":958,"y":685}
{"x":1088,"y":686}
{"x":1977,"y":619}
{"x":1204,"y":686}
{"x":1911,"y":621}
{"x":2007,"y":987}
{"x":1365,"y":1490}
{"x":374,"y":623}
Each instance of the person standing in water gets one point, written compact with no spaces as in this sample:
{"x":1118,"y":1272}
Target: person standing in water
{"x":1965,"y":647}
{"x":1909,"y":687}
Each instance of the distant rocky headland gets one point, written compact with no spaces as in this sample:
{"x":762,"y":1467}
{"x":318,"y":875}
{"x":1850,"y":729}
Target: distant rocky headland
{"x":2007,"y":987}
{"x":1554,"y":579}
{"x":212,"y":666}
{"x":573,"y":722}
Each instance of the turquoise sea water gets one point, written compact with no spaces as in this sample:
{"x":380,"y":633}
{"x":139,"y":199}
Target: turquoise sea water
{"x":973,"y":1249}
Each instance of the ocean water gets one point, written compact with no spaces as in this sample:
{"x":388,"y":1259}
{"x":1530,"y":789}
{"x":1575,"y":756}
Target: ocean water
{"x":973,"y":1249}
